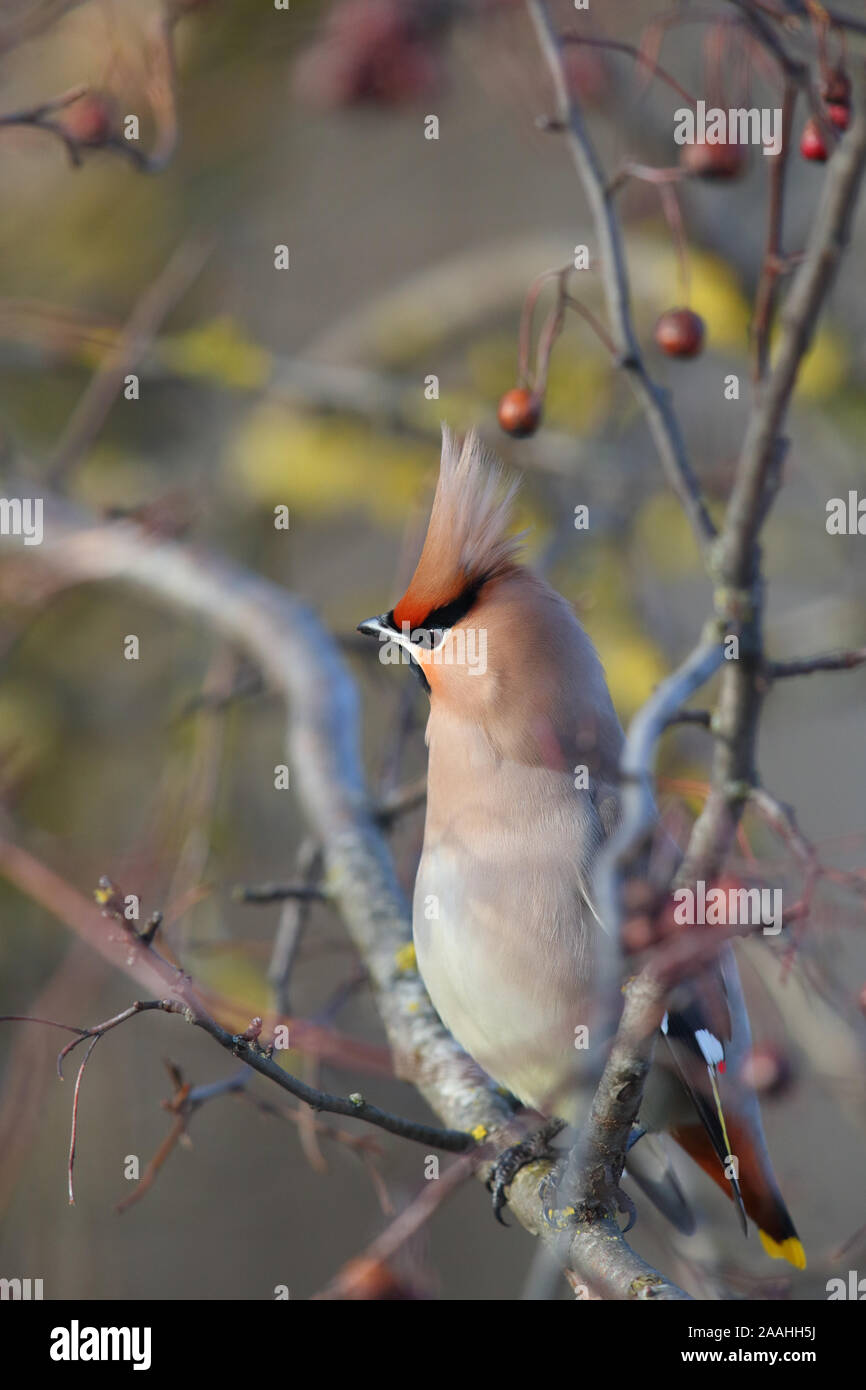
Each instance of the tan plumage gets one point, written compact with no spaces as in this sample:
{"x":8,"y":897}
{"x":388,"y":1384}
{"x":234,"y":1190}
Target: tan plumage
{"x":503,"y":919}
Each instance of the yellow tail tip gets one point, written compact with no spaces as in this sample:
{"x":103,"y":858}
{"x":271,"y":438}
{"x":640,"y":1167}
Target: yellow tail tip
{"x":790,"y":1250}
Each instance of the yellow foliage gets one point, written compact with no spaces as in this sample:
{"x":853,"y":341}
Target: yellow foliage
{"x":116,"y":477}
{"x":633,"y":667}
{"x":29,"y":728}
{"x":824,"y":368}
{"x":459,"y":409}
{"x":218,"y":351}
{"x":326,"y":466}
{"x":715,"y":294}
{"x":632,"y":662}
{"x":662,"y":531}
{"x":230,"y":973}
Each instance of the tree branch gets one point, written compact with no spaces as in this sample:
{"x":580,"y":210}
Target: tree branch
{"x":656,"y":404}
{"x":804,"y":666}
{"x":735,"y":558}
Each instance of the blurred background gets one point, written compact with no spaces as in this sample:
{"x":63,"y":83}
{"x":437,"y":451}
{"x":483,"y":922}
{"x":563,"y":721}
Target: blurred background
{"x":408,"y":258}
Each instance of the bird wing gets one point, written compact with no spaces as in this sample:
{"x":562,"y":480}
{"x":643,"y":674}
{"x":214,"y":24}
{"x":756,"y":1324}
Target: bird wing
{"x":697,"y":1027}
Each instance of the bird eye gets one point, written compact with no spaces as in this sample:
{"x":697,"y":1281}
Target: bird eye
{"x":430,"y":638}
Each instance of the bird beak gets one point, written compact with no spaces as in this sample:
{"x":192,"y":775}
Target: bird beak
{"x":374,"y":627}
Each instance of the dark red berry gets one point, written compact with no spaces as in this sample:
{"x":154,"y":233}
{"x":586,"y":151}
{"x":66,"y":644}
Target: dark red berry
{"x":88,"y":120}
{"x":520,"y":412}
{"x":812,"y":144}
{"x":839,"y":115}
{"x":680,"y":333}
{"x":585,"y":73}
{"x":713,"y":161}
{"x":370,"y":51}
{"x":767,"y":1070}
{"x":365,"y":1278}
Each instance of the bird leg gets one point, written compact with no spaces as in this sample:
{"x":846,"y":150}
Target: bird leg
{"x":610,"y":1199}
{"x":533,"y":1148}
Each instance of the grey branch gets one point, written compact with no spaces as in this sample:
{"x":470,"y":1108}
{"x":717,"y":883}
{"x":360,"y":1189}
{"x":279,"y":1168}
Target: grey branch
{"x":636,"y":765}
{"x":594,"y":1169}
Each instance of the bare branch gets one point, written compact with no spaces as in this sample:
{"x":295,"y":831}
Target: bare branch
{"x":131,"y":345}
{"x":278,"y":892}
{"x":73,"y":1137}
{"x":662,"y":421}
{"x":831,"y":661}
{"x":735,"y":559}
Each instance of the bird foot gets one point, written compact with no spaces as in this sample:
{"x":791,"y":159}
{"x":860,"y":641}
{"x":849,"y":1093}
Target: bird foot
{"x":509,"y":1163}
{"x":586,"y":1210}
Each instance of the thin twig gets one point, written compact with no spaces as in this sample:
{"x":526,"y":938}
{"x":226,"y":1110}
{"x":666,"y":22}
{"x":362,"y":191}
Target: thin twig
{"x":158,"y":299}
{"x":805,"y":666}
{"x":73,"y":1137}
{"x":765,"y":297}
{"x":140,"y":1006}
{"x":278,"y":892}
{"x":735,"y":565}
{"x":246,"y":1047}
{"x":702,"y":717}
{"x":293,"y":922}
{"x":640,"y":56}
{"x":661,"y":418}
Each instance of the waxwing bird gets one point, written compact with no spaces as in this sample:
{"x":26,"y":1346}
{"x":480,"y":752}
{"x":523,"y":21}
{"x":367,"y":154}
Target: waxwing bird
{"x":524,"y":747}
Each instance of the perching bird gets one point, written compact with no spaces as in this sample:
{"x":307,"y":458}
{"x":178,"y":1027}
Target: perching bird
{"x":505,"y":931}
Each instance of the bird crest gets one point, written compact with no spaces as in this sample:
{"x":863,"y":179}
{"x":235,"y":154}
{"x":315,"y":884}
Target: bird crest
{"x":467,"y":539}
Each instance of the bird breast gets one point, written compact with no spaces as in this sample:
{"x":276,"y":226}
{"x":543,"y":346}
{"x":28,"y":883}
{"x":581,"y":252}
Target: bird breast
{"x":501,"y":927}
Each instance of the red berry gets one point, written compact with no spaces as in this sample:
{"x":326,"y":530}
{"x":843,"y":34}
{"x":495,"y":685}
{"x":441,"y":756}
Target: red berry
{"x":88,"y":120}
{"x":365,"y":1278}
{"x":370,"y":51}
{"x":520,"y":412}
{"x":585,"y":73}
{"x":767,"y":1070}
{"x":680,"y":333}
{"x":839,"y":114}
{"x":837,"y":88}
{"x":713,"y":161}
{"x":812,"y":144}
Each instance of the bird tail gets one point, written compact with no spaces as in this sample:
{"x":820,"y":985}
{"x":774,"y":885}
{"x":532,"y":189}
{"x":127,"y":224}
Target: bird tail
{"x":760,"y":1196}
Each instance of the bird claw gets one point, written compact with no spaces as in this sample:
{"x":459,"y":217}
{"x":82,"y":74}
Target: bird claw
{"x":509,"y":1163}
{"x":614,"y":1199}
{"x":624,"y":1203}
